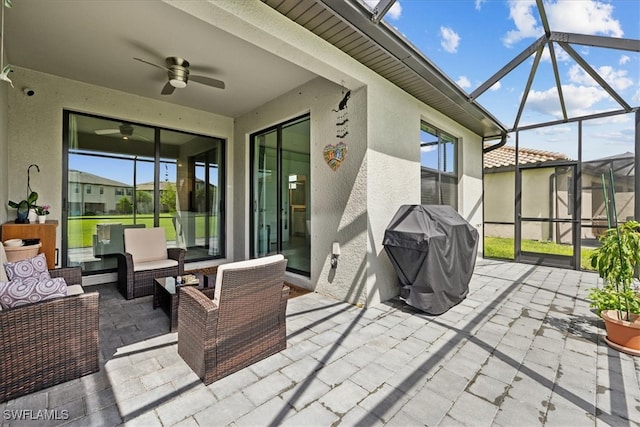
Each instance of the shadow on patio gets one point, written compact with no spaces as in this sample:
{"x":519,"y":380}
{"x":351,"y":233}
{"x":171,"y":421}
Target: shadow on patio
{"x":522,"y":349}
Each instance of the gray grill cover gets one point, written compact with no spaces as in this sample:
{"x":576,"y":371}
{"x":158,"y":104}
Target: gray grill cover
{"x":433,"y":250}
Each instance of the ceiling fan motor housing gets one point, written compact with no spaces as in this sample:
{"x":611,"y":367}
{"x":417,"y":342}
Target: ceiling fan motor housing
{"x":178,"y":71}
{"x":126,"y":129}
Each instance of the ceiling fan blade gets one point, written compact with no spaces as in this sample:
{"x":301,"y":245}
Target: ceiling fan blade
{"x":106,"y":131}
{"x":167,"y":89}
{"x":138,"y":136}
{"x":151,"y":63}
{"x":207,"y":81}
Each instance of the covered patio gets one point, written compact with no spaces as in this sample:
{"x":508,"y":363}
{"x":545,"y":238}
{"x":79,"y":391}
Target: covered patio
{"x":522,"y":349}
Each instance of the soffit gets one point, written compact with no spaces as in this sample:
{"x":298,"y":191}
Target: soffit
{"x":345,"y":25}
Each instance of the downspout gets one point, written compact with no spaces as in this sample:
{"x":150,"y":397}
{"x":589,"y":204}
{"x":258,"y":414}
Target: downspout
{"x":503,"y":141}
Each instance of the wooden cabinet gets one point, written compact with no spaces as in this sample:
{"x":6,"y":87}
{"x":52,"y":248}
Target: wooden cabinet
{"x":45,"y":232}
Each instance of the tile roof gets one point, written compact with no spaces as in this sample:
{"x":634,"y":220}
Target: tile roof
{"x":506,"y":156}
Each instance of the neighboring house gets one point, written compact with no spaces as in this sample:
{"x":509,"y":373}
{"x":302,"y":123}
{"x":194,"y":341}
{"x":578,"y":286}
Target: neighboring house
{"x":164,"y":186}
{"x":91,"y":194}
{"x":547,"y":193}
{"x":545,"y":189}
{"x":593,"y":205}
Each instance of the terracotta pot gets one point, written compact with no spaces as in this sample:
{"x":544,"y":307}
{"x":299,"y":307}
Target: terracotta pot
{"x":621,"y":334}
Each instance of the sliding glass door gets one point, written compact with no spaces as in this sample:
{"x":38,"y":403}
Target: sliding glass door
{"x":127,"y":175}
{"x":280,"y":182}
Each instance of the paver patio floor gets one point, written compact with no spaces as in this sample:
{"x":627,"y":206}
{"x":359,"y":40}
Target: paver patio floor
{"x":522,"y":349}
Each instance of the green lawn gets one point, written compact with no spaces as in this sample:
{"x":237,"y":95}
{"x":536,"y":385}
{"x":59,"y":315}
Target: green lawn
{"x":82,"y":228}
{"x":500,"y":247}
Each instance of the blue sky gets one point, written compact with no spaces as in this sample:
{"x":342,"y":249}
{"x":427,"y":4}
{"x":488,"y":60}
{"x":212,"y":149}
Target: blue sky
{"x":470,"y":40}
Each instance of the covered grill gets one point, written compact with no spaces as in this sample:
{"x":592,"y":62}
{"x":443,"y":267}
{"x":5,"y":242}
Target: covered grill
{"x":433,"y":250}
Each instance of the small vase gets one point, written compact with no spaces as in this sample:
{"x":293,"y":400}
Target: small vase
{"x":42,"y":219}
{"x":33,"y":216}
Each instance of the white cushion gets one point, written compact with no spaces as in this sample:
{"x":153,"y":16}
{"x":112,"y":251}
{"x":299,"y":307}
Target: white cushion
{"x":154,"y":265}
{"x":74,"y":290}
{"x":242,"y":264}
{"x":145,"y":244}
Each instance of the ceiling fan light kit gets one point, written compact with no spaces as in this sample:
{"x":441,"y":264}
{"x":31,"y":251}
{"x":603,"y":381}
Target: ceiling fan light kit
{"x":177,"y":83}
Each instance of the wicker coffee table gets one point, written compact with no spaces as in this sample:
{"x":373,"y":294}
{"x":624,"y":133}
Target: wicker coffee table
{"x":166,"y":296}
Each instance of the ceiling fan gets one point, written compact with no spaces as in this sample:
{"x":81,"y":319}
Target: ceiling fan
{"x":125,"y":130}
{"x":178,"y":72}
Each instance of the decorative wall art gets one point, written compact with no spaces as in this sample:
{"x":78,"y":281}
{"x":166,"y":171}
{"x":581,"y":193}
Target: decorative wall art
{"x":334,"y":155}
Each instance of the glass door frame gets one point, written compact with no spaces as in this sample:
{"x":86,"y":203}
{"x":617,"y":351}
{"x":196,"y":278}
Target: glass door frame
{"x":552,"y":260}
{"x":253,"y":203}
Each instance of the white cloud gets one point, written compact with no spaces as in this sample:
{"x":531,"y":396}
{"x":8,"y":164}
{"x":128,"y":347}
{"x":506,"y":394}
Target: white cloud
{"x":450,"y":39}
{"x":479,"y":4}
{"x":561,"y":54}
{"x":427,"y":148}
{"x":578,"y":100}
{"x":463,"y":82}
{"x":624,"y":59}
{"x":583,"y":17}
{"x":636,"y":96}
{"x":521,"y":12}
{"x":616,"y":78}
{"x":496,"y":86}
{"x":393,"y":13}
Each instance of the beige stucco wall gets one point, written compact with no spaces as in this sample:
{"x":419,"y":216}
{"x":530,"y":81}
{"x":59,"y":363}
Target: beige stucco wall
{"x":34,"y":130}
{"x":353,"y":205}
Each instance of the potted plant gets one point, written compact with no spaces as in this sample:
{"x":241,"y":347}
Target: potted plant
{"x":42,"y":212}
{"x":618,"y":300}
{"x":24,"y":206}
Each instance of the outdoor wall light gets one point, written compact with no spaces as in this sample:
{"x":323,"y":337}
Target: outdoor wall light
{"x":335,"y":253}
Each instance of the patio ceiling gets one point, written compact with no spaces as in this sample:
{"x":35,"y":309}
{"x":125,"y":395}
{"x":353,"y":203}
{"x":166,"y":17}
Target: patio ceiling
{"x":95,"y":42}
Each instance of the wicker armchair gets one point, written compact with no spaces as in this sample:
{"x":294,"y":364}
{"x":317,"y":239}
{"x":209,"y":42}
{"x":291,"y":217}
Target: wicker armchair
{"x":146,"y":257}
{"x":49,"y":342}
{"x":244,"y":323}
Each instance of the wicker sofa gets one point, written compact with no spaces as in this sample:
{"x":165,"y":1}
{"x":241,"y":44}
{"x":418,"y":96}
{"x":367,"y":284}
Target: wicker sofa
{"x":48,"y":342}
{"x":146,"y":257}
{"x":244,"y":323}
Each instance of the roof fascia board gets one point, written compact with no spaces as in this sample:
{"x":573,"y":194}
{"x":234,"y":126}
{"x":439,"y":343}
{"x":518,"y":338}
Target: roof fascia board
{"x":389,"y":39}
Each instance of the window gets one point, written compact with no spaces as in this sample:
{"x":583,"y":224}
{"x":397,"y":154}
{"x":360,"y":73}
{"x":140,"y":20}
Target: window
{"x":438,"y":167}
{"x":155,"y":178}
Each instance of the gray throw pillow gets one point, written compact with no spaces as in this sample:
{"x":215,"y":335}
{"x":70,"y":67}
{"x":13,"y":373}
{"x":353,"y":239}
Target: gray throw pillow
{"x":32,"y":267}
{"x":21,"y":291}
